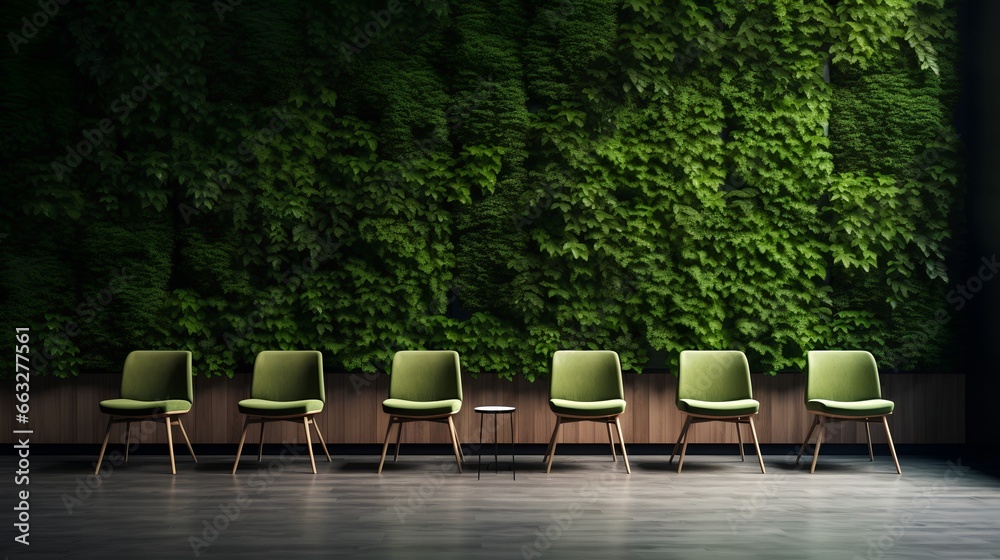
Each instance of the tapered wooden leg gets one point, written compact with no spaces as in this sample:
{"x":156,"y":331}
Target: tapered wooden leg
{"x":892,"y":448}
{"x":739,"y":438}
{"x":309,"y":443}
{"x":107,"y":434}
{"x":454,"y":443}
{"x":868,"y":431}
{"x":170,"y":444}
{"x":684,"y":449}
{"x":128,"y":438}
{"x":186,"y":440}
{"x":399,"y":436}
{"x":809,"y":435}
{"x":680,"y":438}
{"x":552,"y":444}
{"x":621,"y":440}
{"x":611,"y":440}
{"x":677,"y":446}
{"x":819,"y":442}
{"x":548,"y":450}
{"x":385,"y":445}
{"x":321,"y":440}
{"x":756,"y":445}
{"x":260,"y":444}
{"x":461,"y":451}
{"x":243,"y":438}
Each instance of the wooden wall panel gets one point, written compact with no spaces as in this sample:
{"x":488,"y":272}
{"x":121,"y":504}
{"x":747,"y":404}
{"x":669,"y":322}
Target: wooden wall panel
{"x":930,"y":408}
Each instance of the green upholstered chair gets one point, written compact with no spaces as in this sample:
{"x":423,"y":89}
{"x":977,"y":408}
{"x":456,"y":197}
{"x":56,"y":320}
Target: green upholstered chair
{"x":586,"y":386}
{"x":844,"y":385}
{"x":287,"y":386}
{"x":424,"y":386}
{"x":157,"y":386}
{"x":714,"y":386}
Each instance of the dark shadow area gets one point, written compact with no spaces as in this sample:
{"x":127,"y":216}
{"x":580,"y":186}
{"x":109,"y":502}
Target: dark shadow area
{"x":979,"y":122}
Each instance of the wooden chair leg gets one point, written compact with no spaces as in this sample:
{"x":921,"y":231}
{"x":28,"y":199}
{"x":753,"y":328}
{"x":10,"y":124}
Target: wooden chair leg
{"x":611,"y":440}
{"x":107,"y":434}
{"x":128,"y":438}
{"x":680,"y":438}
{"x":553,"y":444}
{"x":399,"y":436}
{"x":808,"y":436}
{"x":454,"y":443}
{"x":243,"y":438}
{"x":186,"y":440}
{"x":461,"y":452}
{"x":309,"y":443}
{"x":892,"y":448}
{"x":684,"y":448}
{"x":548,"y":450}
{"x":868,"y":432}
{"x":260,"y":442}
{"x":385,"y":445}
{"x":170,"y":444}
{"x":819,"y":442}
{"x":739,"y":438}
{"x":756,"y":445}
{"x":315,"y":426}
{"x":621,"y":440}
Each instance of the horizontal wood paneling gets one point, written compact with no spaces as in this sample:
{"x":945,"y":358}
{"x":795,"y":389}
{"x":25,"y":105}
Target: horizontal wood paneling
{"x":930,"y":408}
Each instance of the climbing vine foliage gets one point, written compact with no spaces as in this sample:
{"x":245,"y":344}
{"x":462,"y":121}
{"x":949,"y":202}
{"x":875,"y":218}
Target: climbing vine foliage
{"x":500,"y":178}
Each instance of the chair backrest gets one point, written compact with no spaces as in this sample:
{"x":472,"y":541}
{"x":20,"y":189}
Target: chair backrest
{"x":842,"y":375}
{"x":586,"y":376}
{"x":714,"y":376}
{"x":425,"y":375}
{"x":156,"y":375}
{"x":288,"y":375}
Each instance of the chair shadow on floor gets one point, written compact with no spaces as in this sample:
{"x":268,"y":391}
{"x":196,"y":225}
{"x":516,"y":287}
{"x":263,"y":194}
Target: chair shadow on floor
{"x":662,"y":465}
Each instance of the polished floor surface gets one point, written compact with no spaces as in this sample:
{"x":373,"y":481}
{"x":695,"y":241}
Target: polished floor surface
{"x":420,"y":507}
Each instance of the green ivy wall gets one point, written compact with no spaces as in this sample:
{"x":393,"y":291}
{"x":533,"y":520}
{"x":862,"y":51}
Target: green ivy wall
{"x":501,"y":178}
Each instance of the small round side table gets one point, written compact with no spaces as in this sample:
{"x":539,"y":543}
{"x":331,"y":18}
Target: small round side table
{"x":496,"y":411}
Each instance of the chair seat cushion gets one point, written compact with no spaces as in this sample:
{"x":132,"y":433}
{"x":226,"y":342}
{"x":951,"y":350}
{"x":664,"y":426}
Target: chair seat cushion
{"x":587,"y":408}
{"x":738,"y":407}
{"x":861,"y":409}
{"x":264,"y":407}
{"x":403,"y":407}
{"x":131,"y":407}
